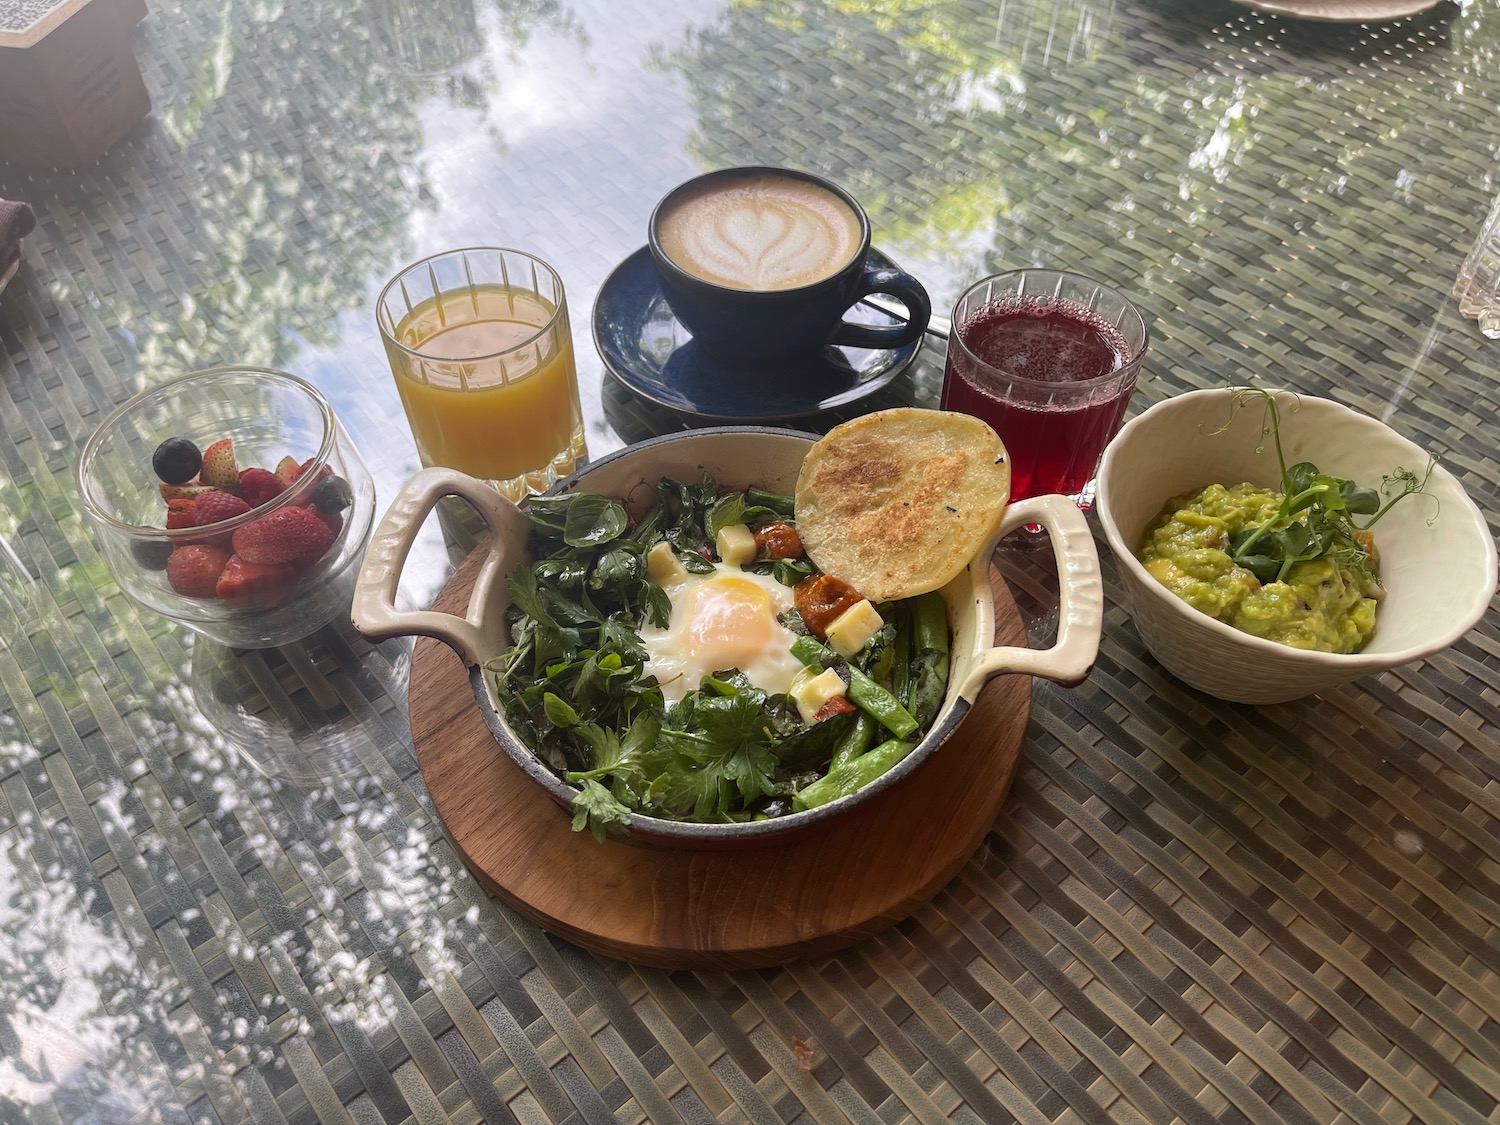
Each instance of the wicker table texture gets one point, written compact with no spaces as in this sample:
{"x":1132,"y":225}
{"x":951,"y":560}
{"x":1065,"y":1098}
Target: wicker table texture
{"x":224,"y":896}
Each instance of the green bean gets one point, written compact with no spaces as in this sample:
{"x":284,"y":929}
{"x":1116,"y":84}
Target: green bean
{"x":856,"y":740}
{"x":856,"y":775}
{"x":900,"y":650}
{"x":776,"y":501}
{"x":884,"y":707}
{"x":929,"y":659}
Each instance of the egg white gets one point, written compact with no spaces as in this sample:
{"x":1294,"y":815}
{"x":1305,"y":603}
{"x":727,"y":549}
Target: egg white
{"x":719,"y":621}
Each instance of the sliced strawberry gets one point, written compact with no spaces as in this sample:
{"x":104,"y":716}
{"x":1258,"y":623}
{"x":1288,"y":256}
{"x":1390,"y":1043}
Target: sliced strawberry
{"x":246,"y":584}
{"x":219,"y":470}
{"x":189,"y":491}
{"x":180,"y":513}
{"x":214,"y":506}
{"x":260,"y":485}
{"x":282,"y":535}
{"x":287,"y":470}
{"x":194,"y":570}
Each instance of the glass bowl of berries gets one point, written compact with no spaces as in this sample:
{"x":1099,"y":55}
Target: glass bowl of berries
{"x":232,"y":501}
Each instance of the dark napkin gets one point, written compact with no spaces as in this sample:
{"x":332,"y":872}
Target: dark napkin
{"x":16,"y":222}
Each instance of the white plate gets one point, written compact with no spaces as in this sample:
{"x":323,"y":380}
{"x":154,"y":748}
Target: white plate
{"x":1343,"y":11}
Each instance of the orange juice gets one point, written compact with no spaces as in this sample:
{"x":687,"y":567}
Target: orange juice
{"x":492,"y":390}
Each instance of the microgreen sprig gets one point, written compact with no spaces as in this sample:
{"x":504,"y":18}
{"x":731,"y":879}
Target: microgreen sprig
{"x":1316,"y":516}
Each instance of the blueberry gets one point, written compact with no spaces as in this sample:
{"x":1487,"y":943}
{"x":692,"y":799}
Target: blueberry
{"x":332,"y":495}
{"x":177,"y":460}
{"x":151,"y":553}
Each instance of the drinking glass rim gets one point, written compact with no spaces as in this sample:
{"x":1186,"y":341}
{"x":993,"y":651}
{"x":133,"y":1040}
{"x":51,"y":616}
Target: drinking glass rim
{"x":387,"y":333}
{"x":956,"y":337}
{"x":93,"y":506}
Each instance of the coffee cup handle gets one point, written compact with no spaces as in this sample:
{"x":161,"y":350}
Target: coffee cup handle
{"x":905,"y":288}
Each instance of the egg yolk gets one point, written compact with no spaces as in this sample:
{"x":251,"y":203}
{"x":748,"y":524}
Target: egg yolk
{"x":730,"y":622}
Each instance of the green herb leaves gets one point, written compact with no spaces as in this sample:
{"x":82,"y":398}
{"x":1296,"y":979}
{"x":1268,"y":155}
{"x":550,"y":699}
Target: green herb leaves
{"x":574,"y":673}
{"x":582,"y":520}
{"x":574,"y":685}
{"x":1316,"y":515}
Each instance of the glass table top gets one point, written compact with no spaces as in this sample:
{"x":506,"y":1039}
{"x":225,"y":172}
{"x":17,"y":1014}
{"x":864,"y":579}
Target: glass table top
{"x":224,"y":893}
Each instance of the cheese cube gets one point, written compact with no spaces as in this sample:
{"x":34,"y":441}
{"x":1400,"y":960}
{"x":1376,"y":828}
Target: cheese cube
{"x":736,"y":544}
{"x":856,"y":625}
{"x":663,"y":566}
{"x":810,"y":694}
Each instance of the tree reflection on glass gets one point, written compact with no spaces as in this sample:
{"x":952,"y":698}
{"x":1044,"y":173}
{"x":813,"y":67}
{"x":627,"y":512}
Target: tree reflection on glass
{"x":1158,"y":146}
{"x":931,"y":152}
{"x":78,"y":1007}
{"x":298,"y":135}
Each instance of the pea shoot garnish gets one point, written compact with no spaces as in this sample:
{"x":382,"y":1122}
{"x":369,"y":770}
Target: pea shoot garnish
{"x":1316,"y":516}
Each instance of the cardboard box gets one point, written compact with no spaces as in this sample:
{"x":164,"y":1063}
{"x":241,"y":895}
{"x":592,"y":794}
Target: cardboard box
{"x":70,"y":85}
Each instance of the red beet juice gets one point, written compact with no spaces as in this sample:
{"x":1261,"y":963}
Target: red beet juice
{"x":1038,"y":372}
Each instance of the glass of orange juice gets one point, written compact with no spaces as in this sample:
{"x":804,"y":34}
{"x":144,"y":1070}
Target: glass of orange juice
{"x":479,"y":343}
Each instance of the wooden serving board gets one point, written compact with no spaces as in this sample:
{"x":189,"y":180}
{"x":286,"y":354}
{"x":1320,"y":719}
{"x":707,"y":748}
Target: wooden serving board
{"x":854,"y":877}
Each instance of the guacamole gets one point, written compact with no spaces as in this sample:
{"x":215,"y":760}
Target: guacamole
{"x":1325,"y":604}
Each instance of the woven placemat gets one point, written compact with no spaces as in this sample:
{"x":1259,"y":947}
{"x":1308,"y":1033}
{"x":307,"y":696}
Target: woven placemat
{"x":1186,"y":911}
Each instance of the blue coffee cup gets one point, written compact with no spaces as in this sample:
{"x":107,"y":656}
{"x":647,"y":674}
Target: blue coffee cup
{"x":760,"y":263}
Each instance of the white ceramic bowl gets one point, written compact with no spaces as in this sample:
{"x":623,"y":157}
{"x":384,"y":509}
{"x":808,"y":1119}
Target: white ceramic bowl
{"x":737,"y":457}
{"x":1437,"y":554}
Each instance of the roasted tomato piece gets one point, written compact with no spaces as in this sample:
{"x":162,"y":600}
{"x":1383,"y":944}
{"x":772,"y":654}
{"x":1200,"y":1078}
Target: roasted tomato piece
{"x":838,"y":705}
{"x":777,"y":540}
{"x":822,"y":599}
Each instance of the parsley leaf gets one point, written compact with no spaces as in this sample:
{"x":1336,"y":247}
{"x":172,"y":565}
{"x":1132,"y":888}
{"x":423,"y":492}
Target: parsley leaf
{"x":720,"y":737}
{"x":598,"y":809}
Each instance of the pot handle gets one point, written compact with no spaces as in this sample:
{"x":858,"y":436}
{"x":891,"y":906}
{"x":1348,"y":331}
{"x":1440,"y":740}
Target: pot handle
{"x":478,"y":635}
{"x":1080,"y":599}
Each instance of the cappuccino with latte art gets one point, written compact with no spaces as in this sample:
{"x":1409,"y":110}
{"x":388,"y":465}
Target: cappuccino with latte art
{"x":760,"y":232}
{"x":762,"y":263}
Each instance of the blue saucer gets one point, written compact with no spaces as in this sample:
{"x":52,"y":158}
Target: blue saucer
{"x":645,"y":348}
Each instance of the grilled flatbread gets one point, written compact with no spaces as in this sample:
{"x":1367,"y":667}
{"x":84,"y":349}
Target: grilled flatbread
{"x":897,"y":502}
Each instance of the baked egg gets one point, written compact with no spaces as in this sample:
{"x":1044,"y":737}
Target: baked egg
{"x":720,"y":621}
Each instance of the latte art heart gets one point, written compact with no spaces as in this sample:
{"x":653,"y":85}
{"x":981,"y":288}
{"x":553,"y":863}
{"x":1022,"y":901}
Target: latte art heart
{"x":761,"y":232}
{"x":762,"y":247}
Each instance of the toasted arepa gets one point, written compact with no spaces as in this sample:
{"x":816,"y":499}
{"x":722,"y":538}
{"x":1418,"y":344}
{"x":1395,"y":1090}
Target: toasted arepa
{"x":897,"y":502}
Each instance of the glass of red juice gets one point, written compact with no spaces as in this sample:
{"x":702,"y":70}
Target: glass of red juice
{"x":1048,"y":358}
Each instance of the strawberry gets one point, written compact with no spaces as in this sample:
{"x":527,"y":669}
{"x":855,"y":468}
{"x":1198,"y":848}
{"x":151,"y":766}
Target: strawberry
{"x":282,"y":535}
{"x":247,"y":584}
{"x":189,"y":491}
{"x":215,"y":507}
{"x":259,"y":485}
{"x":332,"y":520}
{"x":194,"y":570}
{"x":287,"y":471}
{"x":219,"y":470}
{"x":180,"y":513}
{"x":323,"y":472}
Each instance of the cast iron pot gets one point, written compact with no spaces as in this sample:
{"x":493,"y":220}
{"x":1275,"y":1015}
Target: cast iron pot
{"x":737,"y":457}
